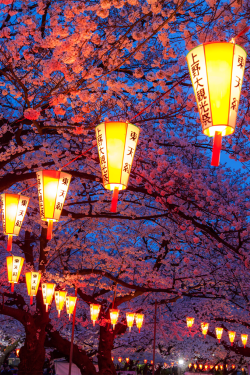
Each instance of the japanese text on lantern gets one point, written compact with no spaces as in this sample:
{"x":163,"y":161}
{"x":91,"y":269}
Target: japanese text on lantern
{"x":40,"y":192}
{"x":63,"y":186}
{"x":102,"y":149}
{"x":3,"y":212}
{"x":197,"y":66}
{"x":129,"y":152}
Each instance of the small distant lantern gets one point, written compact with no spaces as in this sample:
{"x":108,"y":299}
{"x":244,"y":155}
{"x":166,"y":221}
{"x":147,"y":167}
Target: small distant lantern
{"x":130,"y":320}
{"x":190,"y":321}
{"x":206,"y":367}
{"x":127,"y":360}
{"x":165,"y":365}
{"x":218,"y":331}
{"x":48,"y":290}
{"x":204,"y":328}
{"x":70,"y":305}
{"x":14,"y":207}
{"x":14,"y":268}
{"x":244,"y":339}
{"x":139,"y":320}
{"x":112,"y":358}
{"x":233,"y":367}
{"x":231,"y":335}
{"x":32,"y":282}
{"x":145,"y":361}
{"x":195,"y":366}
{"x":216,"y":367}
{"x":217,"y":71}
{"x":94,"y":312}
{"x":60,"y":298}
{"x":242,"y":369}
{"x":152,"y":362}
{"x":200,"y":367}
{"x":221,"y":367}
{"x":114,"y":315}
{"x":172,"y":364}
{"x":52,"y":190}
{"x":190,"y":365}
{"x":211,"y":367}
{"x":116,"y":143}
{"x":17,"y":352}
{"x":119,"y":359}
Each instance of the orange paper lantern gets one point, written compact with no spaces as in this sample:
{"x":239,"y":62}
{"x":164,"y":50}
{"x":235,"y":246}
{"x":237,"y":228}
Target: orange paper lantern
{"x":112,"y":358}
{"x":60,"y":299}
{"x":216,"y":367}
{"x":114,"y":315}
{"x":17,"y":352}
{"x":242,"y":369}
{"x":14,"y":268}
{"x":70,"y":304}
{"x":130,"y":320}
{"x":116,"y":143}
{"x":211,"y":367}
{"x":244,"y":339}
{"x":204,"y":328}
{"x":145,"y":361}
{"x":48,"y":290}
{"x":218,"y":331}
{"x":127,"y":360}
{"x":233,"y":367}
{"x":221,"y":367}
{"x":119,"y":359}
{"x":52,"y":190}
{"x":139,"y":321}
{"x":94,"y":312}
{"x":190,"y":321}
{"x":206,"y":367}
{"x":200,"y":367}
{"x":231,"y":335}
{"x":217,"y":71}
{"x":195,"y":366}
{"x":14,"y":207}
{"x":190,"y":365}
{"x":32,"y":282}
{"x":152,"y":362}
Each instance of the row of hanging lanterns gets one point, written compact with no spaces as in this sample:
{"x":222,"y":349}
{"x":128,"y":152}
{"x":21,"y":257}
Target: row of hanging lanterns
{"x":209,"y":367}
{"x":218,"y":331}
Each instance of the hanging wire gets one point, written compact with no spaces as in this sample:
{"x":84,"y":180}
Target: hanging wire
{"x":77,"y":157}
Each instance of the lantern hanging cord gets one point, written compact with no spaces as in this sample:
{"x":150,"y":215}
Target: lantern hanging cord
{"x":27,"y":188}
{"x":244,"y":31}
{"x":77,"y":157}
{"x":158,"y":98}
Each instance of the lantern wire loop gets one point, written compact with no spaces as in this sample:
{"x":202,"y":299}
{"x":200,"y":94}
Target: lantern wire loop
{"x":77,"y":157}
{"x":159,"y":97}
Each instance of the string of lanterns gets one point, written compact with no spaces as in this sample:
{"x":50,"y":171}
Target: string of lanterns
{"x":218,"y":331}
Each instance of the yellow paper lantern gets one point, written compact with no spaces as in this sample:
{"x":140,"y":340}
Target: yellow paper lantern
{"x":145,"y":361}
{"x":242,"y":369}
{"x":127,"y":360}
{"x":216,"y":367}
{"x":52,"y":190}
{"x":218,"y":331}
{"x":233,"y":367}
{"x":206,"y":367}
{"x":204,"y":328}
{"x":70,"y":304}
{"x":14,"y":207}
{"x":114,"y":315}
{"x":231,"y":335}
{"x":119,"y":359}
{"x":60,"y":298}
{"x":17,"y":352}
{"x":190,"y":365}
{"x":139,"y":321}
{"x":217,"y":71}
{"x":244,"y":339}
{"x":130,"y":320}
{"x":190,"y":321}
{"x":200,"y":367}
{"x":14,"y":268}
{"x":112,"y":358}
{"x":221,"y":367}
{"x":195,"y":366}
{"x":94,"y":312}
{"x":211,"y":367}
{"x":48,"y":290}
{"x":116,"y":143}
{"x":32,"y":282}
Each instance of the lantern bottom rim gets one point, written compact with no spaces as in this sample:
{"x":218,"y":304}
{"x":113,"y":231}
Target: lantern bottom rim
{"x":49,"y":219}
{"x":112,"y":186}
{"x":224,"y":129}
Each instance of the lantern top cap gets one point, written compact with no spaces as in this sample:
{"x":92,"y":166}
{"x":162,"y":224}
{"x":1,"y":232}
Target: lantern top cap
{"x":118,"y":122}
{"x":206,"y":43}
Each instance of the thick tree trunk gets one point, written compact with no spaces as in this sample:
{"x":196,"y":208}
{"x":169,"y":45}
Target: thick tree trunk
{"x":106,"y":343}
{"x":32,"y":354}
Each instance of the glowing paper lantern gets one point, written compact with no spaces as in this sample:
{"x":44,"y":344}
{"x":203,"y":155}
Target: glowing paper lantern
{"x":190,"y":322}
{"x":145,"y":361}
{"x":14,"y":268}
{"x":217,"y":71}
{"x":48,"y":290}
{"x":231,"y":335}
{"x":14,"y":207}
{"x":190,"y":365}
{"x":119,"y":359}
{"x":114,"y":315}
{"x":206,"y":367}
{"x":94,"y":312}
{"x":211,"y":367}
{"x":127,"y":360}
{"x":32,"y":282}
{"x":60,"y":298}
{"x":242,"y":369}
{"x":244,"y":339}
{"x":139,"y":320}
{"x":218,"y":331}
{"x":216,"y":367}
{"x":204,"y":328}
{"x":195,"y":366}
{"x":52,"y":190}
{"x":17,"y":352}
{"x":233,"y":367}
{"x":200,"y":367}
{"x":70,"y":304}
{"x":117,"y":143}
{"x":221,"y":367}
{"x":152,"y":362}
{"x":130,"y":320}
